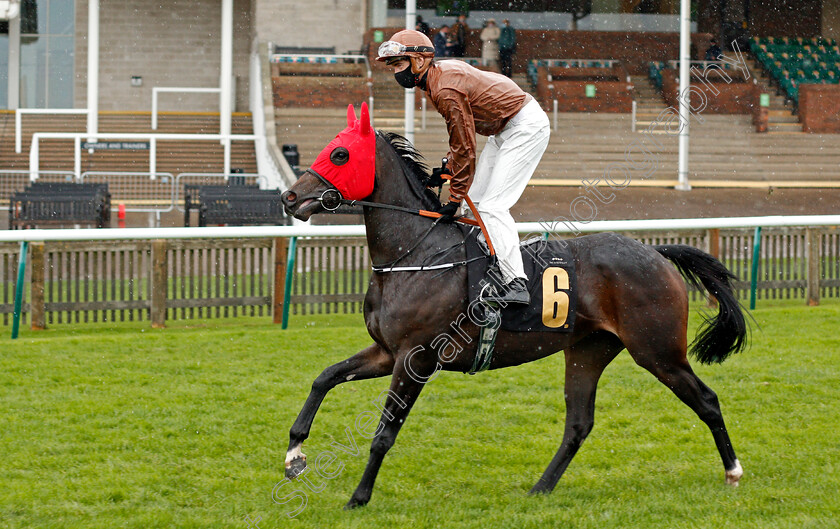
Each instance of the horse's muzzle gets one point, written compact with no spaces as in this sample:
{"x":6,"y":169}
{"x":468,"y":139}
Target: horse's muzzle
{"x":289,"y":199}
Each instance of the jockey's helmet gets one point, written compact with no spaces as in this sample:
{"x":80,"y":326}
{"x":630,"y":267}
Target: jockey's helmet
{"x":406,"y":43}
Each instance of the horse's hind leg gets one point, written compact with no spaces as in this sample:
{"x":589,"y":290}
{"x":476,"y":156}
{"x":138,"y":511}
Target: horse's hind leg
{"x":371,"y":362}
{"x":674,"y":371}
{"x":585,"y":361}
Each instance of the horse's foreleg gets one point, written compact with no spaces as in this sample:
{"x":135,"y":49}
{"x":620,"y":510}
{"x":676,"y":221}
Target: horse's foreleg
{"x":371,"y":362}
{"x":584,"y":365}
{"x":401,"y":397}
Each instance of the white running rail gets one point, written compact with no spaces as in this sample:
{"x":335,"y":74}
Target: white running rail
{"x":357,"y":230}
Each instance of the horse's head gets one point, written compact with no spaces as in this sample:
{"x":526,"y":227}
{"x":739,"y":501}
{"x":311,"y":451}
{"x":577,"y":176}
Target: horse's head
{"x":345,"y":169}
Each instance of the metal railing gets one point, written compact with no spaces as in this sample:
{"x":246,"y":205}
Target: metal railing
{"x":675,"y":64}
{"x":175,"y":89}
{"x":34,"y":150}
{"x":137,"y":192}
{"x":19,"y":120}
{"x":12,"y":181}
{"x":578,"y":63}
{"x":208,"y":179}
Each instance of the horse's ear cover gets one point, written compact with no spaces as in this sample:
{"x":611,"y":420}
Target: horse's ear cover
{"x":353,"y":179}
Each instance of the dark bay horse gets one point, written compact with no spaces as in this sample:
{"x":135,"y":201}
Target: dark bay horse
{"x":630,"y":296}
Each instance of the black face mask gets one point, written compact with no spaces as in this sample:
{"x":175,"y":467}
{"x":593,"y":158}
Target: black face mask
{"x":405,"y":78}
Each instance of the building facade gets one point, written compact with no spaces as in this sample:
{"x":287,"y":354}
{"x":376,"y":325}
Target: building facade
{"x":148,"y":43}
{"x":177,"y":43}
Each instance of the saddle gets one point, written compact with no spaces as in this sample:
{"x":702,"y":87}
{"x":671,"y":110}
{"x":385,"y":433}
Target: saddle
{"x":552,"y":285}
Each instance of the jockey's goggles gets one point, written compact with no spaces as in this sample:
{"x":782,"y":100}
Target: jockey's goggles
{"x":391,"y":48}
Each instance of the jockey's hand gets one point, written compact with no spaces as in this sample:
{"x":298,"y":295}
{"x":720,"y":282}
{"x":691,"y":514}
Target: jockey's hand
{"x":447,"y":212}
{"x":436,"y":179}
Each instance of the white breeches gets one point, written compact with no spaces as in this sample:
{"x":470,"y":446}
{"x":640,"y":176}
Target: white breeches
{"x":504,"y":168}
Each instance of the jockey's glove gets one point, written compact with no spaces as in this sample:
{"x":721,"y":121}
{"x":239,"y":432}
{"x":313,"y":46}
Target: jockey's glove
{"x":436,"y":178}
{"x":447,"y":212}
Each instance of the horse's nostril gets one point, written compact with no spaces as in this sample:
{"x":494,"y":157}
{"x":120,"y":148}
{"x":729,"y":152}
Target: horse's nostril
{"x":289,"y":197}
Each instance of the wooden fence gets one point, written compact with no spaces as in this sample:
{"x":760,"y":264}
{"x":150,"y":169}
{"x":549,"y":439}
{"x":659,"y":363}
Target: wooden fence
{"x":71,"y":282}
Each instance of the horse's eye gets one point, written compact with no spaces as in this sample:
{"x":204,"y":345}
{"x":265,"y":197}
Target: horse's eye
{"x":339,"y":156}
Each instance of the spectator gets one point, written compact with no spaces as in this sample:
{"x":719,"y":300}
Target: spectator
{"x":442,"y":45}
{"x":507,"y":47}
{"x":423,"y":27}
{"x":490,"y":44}
{"x":714,"y":52}
{"x":459,"y":36}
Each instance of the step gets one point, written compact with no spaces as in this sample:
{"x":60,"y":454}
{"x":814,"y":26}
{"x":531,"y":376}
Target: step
{"x":784,"y":127}
{"x":788,"y":118}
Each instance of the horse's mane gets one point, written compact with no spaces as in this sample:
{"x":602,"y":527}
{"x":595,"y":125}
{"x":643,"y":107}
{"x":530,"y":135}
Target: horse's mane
{"x":414,"y":166}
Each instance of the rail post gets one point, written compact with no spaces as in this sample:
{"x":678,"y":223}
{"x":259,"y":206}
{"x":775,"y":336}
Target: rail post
{"x":287,"y":290}
{"x":36,"y":298}
{"x":281,"y":248}
{"x":812,"y":250}
{"x":714,"y":250}
{"x":159,"y":284}
{"x":18,"y":307}
{"x":754,"y":269}
{"x":21,"y":274}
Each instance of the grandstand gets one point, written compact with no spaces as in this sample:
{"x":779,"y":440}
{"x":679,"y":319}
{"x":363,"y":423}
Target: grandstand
{"x":792,"y":62}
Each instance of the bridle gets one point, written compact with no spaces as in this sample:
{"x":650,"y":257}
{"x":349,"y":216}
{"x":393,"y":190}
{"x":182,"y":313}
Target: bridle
{"x":331,"y":199}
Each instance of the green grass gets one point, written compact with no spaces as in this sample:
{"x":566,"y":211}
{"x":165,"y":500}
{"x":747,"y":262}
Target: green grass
{"x":110,"y":425}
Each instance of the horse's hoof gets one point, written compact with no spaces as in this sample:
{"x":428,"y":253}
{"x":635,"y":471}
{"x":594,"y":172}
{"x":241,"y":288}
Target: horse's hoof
{"x":733,"y":477}
{"x":541,"y":487}
{"x":295,"y":467}
{"x":354,"y":503}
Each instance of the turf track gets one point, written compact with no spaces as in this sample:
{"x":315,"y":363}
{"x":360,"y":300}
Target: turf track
{"x":123,"y":426}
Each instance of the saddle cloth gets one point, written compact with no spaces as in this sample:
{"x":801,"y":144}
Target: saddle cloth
{"x":552,"y":284}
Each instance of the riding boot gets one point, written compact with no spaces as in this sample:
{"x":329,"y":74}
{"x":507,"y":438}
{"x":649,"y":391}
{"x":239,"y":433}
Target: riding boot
{"x":514,"y":292}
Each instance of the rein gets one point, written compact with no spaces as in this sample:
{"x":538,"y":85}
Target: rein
{"x":331,"y":200}
{"x":421,"y":212}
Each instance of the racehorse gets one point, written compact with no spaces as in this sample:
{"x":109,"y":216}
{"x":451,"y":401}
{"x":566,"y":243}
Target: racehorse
{"x":630,"y":296}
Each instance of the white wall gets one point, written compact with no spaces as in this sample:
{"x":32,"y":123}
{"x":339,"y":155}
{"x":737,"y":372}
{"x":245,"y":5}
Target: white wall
{"x":171,"y":43}
{"x":312,"y":23}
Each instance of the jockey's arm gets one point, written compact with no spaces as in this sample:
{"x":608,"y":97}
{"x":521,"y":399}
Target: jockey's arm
{"x":460,"y":124}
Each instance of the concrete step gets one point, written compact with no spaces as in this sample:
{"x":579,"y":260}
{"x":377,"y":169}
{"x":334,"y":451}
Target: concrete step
{"x":784,"y":127}
{"x":787,"y":117}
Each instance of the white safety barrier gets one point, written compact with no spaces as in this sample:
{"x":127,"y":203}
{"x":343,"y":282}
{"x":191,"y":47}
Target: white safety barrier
{"x":358,"y":230}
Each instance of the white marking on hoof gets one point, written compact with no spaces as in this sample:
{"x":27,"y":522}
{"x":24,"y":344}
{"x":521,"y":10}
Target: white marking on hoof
{"x":734,"y":476}
{"x":350,"y":377}
{"x":292,"y":454}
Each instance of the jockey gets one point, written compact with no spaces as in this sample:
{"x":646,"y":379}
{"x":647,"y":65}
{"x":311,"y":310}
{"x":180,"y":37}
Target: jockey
{"x":472,"y":100}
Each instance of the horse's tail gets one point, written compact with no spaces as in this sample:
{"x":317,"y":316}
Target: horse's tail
{"x":721,"y":335}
